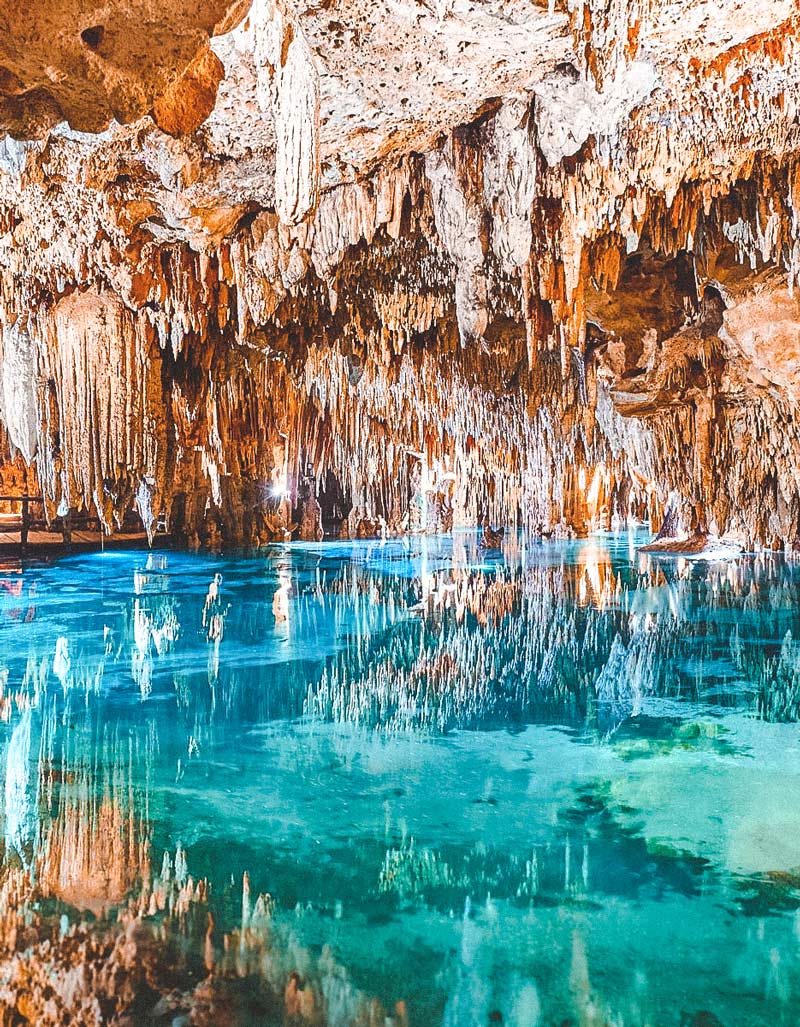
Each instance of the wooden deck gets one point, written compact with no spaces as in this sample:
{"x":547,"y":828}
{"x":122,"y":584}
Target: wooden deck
{"x":21,"y":532}
{"x":80,"y":539}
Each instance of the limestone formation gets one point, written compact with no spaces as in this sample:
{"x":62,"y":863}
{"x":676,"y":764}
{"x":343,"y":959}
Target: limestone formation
{"x":280,"y":266}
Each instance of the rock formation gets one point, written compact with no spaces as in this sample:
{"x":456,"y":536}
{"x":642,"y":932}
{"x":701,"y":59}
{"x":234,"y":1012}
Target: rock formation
{"x":525,"y":263}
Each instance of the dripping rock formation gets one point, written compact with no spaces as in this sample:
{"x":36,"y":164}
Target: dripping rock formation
{"x":281,"y":269}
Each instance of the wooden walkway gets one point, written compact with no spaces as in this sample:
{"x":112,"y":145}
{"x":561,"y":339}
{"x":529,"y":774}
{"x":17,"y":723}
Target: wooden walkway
{"x":22,"y":533}
{"x":55,"y":539}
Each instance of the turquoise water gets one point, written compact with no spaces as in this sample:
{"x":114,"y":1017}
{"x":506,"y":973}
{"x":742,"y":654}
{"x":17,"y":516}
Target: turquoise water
{"x":559,"y":786}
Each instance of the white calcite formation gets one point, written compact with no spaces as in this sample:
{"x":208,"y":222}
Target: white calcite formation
{"x":402,"y":264}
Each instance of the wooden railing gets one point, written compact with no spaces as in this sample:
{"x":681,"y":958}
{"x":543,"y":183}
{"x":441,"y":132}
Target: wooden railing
{"x":24,"y":521}
{"x":25,"y":512}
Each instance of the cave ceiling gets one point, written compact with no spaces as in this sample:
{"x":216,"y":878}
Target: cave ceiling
{"x":534,"y":262}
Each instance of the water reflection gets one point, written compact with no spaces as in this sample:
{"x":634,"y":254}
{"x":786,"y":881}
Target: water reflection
{"x":401,"y":784}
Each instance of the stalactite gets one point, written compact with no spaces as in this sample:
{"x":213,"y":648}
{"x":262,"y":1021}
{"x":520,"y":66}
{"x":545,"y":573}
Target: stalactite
{"x":535,"y":314}
{"x":288,"y":79}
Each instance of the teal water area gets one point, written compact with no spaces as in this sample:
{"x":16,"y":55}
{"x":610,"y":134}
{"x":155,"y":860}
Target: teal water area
{"x":556,"y":786}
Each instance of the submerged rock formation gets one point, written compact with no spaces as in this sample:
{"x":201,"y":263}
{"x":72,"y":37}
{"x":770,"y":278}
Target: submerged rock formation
{"x":383,"y":266}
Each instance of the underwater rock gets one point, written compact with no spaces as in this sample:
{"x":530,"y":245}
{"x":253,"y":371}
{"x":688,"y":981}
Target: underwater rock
{"x":703,"y":1018}
{"x":698,"y":545}
{"x":491,"y":538}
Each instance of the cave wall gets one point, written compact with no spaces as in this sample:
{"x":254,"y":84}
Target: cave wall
{"x":576,"y":304}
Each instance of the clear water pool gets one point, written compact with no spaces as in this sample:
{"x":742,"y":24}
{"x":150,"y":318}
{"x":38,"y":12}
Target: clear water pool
{"x":557,"y":787}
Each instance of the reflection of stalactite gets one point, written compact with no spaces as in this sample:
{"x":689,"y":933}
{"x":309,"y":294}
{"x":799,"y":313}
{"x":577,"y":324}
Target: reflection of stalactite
{"x":446,"y":646}
{"x":214,"y":614}
{"x":93,"y":848}
{"x":155,"y":630}
{"x":487,"y":649}
{"x":161,"y":936}
{"x":18,"y":805}
{"x":777,"y":679}
{"x":594,"y":636}
{"x":436,"y":877}
{"x":83,"y":830}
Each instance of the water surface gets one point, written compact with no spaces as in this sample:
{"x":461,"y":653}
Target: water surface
{"x":559,"y":786}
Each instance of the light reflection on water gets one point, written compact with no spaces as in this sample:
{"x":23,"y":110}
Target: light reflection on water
{"x":558,"y":786}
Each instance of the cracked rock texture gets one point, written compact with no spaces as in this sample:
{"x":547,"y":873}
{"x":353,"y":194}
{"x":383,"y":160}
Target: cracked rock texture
{"x":388,"y":265}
